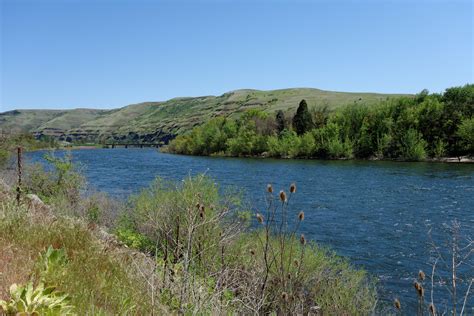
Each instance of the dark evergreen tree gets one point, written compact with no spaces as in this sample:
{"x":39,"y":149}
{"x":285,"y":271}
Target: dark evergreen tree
{"x":280,"y":121}
{"x":302,"y":121}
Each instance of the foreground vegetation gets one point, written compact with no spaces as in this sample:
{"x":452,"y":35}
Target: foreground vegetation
{"x":191,"y":249}
{"x":406,"y":128}
{"x":9,"y":144}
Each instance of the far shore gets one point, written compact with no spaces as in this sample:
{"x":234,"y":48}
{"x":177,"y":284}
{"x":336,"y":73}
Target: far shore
{"x":462,"y":160}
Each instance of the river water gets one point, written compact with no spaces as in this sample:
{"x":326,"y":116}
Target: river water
{"x":377,"y":214}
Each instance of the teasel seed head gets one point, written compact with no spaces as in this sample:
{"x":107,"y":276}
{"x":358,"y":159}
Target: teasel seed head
{"x":252,"y":252}
{"x":296,"y":262}
{"x":288,"y":276}
{"x":432,"y":309}
{"x":421,"y":275}
{"x":397,"y":303}
{"x":301,"y":216}
{"x":284,"y":296}
{"x":260,"y":218}
{"x":417,"y":285}
{"x":282,"y":196}
{"x":269,"y":188}
{"x":419,"y":289}
{"x":302,"y":240}
{"x":292,"y":188}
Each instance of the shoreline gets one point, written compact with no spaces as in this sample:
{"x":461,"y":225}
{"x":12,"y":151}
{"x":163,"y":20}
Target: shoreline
{"x":447,"y":160}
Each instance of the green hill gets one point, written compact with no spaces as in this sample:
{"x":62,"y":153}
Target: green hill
{"x":153,"y":121}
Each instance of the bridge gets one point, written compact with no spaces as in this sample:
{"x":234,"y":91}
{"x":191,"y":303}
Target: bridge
{"x":136,"y":145}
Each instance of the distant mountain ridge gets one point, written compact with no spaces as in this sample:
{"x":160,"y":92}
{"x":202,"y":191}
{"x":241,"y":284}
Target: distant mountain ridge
{"x":160,"y":121}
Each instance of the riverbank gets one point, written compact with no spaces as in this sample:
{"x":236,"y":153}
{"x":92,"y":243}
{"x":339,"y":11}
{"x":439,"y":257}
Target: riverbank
{"x":193,"y":252}
{"x":462,"y":159}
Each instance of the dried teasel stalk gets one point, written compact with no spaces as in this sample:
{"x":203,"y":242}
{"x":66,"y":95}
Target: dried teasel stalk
{"x":421,"y":275}
{"x":302,"y":240}
{"x":397,"y":304}
{"x":419,"y":288}
{"x":269,"y":188}
{"x":301,"y":216}
{"x":292,"y":188}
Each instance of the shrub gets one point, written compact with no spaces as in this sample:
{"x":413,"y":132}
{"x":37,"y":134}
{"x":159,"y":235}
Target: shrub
{"x":61,"y":184}
{"x":412,"y":146}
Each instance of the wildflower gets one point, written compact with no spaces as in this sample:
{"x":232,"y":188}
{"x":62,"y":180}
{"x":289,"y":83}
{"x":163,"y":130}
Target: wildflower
{"x":269,"y":188}
{"x":292,"y":188}
{"x":282,"y":196}
{"x":301,"y":216}
{"x":302,"y":240}
{"x":260,"y":218}
{"x":421,"y":275}
{"x":397,"y":304}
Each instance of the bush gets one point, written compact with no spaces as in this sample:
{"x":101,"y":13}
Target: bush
{"x":61,"y":185}
{"x":413,"y":146}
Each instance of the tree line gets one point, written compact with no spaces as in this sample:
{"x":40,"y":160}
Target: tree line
{"x":406,"y":128}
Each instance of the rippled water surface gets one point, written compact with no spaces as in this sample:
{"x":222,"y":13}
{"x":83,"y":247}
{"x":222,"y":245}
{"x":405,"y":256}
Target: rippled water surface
{"x":377,"y":214}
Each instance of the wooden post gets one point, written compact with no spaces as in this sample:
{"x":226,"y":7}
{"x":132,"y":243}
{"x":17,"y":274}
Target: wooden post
{"x":19,"y":165}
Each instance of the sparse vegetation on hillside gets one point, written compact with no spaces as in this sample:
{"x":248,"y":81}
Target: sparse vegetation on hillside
{"x":160,"y":121}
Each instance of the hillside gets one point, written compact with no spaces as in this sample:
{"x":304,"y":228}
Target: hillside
{"x":154,"y":121}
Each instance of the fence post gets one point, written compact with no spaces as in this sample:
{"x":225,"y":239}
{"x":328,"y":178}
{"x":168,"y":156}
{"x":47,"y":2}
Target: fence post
{"x":19,"y":165}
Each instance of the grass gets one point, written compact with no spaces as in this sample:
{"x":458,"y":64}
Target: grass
{"x":97,"y":279}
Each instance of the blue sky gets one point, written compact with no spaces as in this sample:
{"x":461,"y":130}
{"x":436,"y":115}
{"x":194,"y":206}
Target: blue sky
{"x":110,"y":53}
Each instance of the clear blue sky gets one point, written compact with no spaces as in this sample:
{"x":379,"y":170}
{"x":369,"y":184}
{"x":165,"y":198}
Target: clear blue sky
{"x":110,"y":53}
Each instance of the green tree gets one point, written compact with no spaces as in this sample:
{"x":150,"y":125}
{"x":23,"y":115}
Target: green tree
{"x":280,"y":121}
{"x":466,"y":133}
{"x":302,"y":121}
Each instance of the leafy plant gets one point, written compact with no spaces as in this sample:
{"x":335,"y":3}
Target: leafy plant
{"x":39,"y":300}
{"x":52,"y":260}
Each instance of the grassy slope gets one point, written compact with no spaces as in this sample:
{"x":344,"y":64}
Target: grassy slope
{"x":179,"y":114}
{"x":40,"y":120}
{"x":26,"y":120}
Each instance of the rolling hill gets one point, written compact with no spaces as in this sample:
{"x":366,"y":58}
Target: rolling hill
{"x":160,"y":121}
